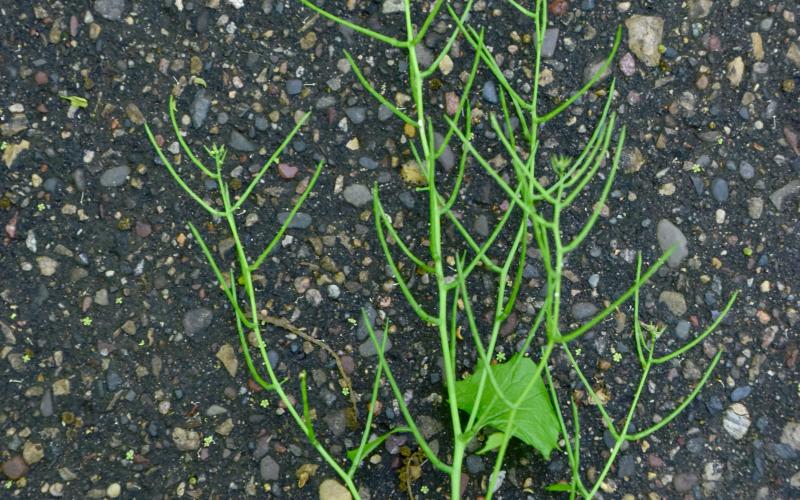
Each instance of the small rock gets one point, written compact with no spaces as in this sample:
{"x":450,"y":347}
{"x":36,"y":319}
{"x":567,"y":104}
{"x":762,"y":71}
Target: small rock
{"x":791,"y":435}
{"x":197,"y":320}
{"x":627,"y":64}
{"x":357,"y":195}
{"x":746,"y":171}
{"x":227,"y":356}
{"x":32,"y":452}
{"x":755,"y":207}
{"x":241,"y":143}
{"x":668,"y":235}
{"x":712,"y":471}
{"x":47,"y":265}
{"x":114,"y":490}
{"x":593,"y":68}
{"x":736,"y":420}
{"x":15,"y":468}
{"x":719,"y":189}
{"x":583,"y":310}
{"x":357,"y":114}
{"x":740,"y":393}
{"x":367,"y":348}
{"x":110,"y":9}
{"x":199,"y":107}
{"x":330,"y":489}
{"x":779,"y":196}
{"x":475,"y":464}
{"x":294,"y":86}
{"x":644,"y":37}
{"x":185,"y":440}
{"x":674,"y":301}
{"x":134,"y":114}
{"x":301,"y":220}
{"x":699,"y":9}
{"x":287,"y":171}
{"x":489,"y":92}
{"x":115,"y":176}
{"x":392,"y":6}
{"x":550,"y":42}
{"x":684,"y":482}
{"x":269,"y":469}
{"x":336,"y":421}
{"x":735,"y":71}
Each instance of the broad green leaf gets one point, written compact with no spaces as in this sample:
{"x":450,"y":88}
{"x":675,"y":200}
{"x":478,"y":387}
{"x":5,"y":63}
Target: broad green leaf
{"x":535,"y":422}
{"x":78,"y":102}
{"x":492,"y":443}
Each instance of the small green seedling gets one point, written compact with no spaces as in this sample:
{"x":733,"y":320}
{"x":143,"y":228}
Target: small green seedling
{"x":75,"y":101}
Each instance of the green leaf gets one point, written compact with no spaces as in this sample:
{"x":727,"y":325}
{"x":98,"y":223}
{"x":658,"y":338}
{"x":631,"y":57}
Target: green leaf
{"x":370,"y":446}
{"x":492,"y":443}
{"x":75,"y":101}
{"x":535,"y":422}
{"x":566,"y":487}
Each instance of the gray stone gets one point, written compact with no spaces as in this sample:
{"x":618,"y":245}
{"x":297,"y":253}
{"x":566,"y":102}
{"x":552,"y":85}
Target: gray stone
{"x":241,"y":143}
{"x":362,"y":332}
{"x":668,"y":235}
{"x":482,"y":225}
{"x":269,"y":469}
{"x":185,"y":440}
{"x":626,"y":466}
{"x":301,"y":220}
{"x":755,"y":207}
{"x":110,"y":9}
{"x":115,"y":176}
{"x":46,"y":405}
{"x":489,"y":92}
{"x":357,"y":114}
{"x":357,"y":195}
{"x":294,"y":86}
{"x":719,"y":189}
{"x":778,"y":197}
{"x":368,"y":163}
{"x":593,"y":68}
{"x":550,"y":42}
{"x":475,"y":464}
{"x":199,"y":107}
{"x":447,"y":158}
{"x":384,"y":113}
{"x":791,"y":435}
{"x":367,"y":348}
{"x":336,"y":421}
{"x":583,"y":310}
{"x":740,"y":393}
{"x":682,"y":329}
{"x":197,"y":320}
{"x":746,"y":171}
{"x":699,"y":9}
{"x":684,"y":482}
{"x":392,"y":6}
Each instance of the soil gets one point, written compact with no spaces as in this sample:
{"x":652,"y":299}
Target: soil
{"x":111,"y":382}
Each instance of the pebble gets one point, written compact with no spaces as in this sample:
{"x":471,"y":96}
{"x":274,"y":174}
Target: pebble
{"x":185,"y":440}
{"x":47,"y":265}
{"x":199,"y":107}
{"x":791,"y":435}
{"x":241,"y":143}
{"x":357,"y":114}
{"x":489,"y":92}
{"x":357,"y":195}
{"x":583,"y":310}
{"x":32,"y":452}
{"x":475,"y":464}
{"x":114,"y":490}
{"x":227,"y":356}
{"x":668,"y":235}
{"x":682,"y":329}
{"x":674,"y":301}
{"x":330,"y":489}
{"x":481,"y":225}
{"x":287,"y":171}
{"x":644,"y":37}
{"x":113,"y":381}
{"x":740,"y":393}
{"x":719,"y":189}
{"x":115,"y":176}
{"x":294,"y":86}
{"x":15,"y":468}
{"x":110,"y":9}
{"x":301,"y":220}
{"x":550,"y":42}
{"x":736,"y":420}
{"x":367,"y":348}
{"x":755,"y":207}
{"x":269,"y":469}
{"x":626,"y":466}
{"x":627,"y":64}
{"x":789,"y":190}
{"x":335,"y":420}
{"x":46,"y":405}
{"x":134,"y":114}
{"x":746,"y":171}
{"x":684,"y":482}
{"x":197,"y":320}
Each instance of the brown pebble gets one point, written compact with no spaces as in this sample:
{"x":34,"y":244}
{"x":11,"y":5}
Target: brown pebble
{"x":15,"y":468}
{"x":287,"y":171}
{"x":40,"y":78}
{"x":143,"y":229}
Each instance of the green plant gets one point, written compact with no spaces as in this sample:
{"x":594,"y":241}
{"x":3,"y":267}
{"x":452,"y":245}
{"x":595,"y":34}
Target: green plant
{"x":238,"y":285}
{"x":516,"y":398}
